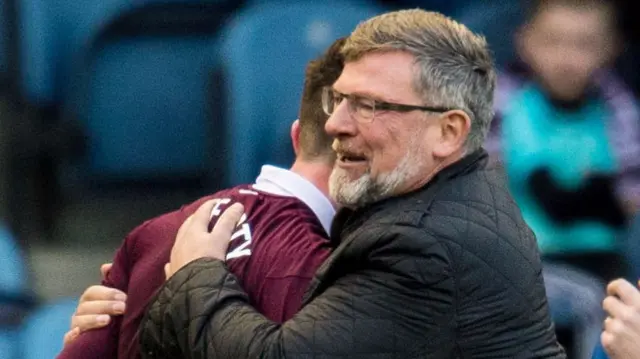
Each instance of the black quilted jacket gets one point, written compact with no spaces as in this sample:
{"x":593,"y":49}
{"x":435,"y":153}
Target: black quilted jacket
{"x":449,"y":271}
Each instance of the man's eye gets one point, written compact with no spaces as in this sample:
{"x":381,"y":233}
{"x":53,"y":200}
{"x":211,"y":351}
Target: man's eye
{"x":366,"y":105}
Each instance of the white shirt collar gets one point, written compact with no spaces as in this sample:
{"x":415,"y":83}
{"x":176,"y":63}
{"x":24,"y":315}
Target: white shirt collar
{"x":283,"y":182}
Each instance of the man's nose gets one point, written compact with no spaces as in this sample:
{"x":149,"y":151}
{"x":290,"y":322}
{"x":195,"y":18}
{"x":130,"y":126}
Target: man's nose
{"x":341,"y":123}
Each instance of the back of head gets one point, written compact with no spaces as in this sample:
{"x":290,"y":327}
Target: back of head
{"x":454,"y":66}
{"x":315,"y":144}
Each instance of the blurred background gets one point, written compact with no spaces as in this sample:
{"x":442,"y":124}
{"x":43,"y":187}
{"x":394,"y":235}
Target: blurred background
{"x":115,"y":111}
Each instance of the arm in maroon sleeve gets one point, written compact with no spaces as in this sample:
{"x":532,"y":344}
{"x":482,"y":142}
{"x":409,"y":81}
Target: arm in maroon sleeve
{"x":103,"y":343}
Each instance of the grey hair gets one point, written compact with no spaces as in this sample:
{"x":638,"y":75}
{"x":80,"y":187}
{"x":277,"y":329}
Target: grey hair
{"x":454,"y":66}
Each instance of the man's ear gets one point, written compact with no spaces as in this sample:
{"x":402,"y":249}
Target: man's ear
{"x":454,"y":129}
{"x":295,"y":136}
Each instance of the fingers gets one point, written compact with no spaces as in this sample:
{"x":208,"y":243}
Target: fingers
{"x":104,"y":269}
{"x":611,"y":325}
{"x":96,"y":314}
{"x":96,"y":305}
{"x":100,"y":292}
{"x":90,"y":321}
{"x":70,"y":336}
{"x":615,"y":308}
{"x":625,"y":291}
{"x":228,"y":221}
{"x":194,"y":240}
{"x":202,"y":216}
{"x":109,"y":307}
{"x":607,"y":340}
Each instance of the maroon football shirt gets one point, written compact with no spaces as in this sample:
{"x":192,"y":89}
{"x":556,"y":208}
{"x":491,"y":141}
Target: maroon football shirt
{"x":274,"y":252}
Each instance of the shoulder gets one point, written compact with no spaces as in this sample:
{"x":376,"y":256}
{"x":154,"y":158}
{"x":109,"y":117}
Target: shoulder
{"x":471,"y":228}
{"x":161,"y":230}
{"x":476,"y":205}
{"x":481,"y":225}
{"x":471,"y":196}
{"x":262,"y":203}
{"x":281,"y":220}
{"x":262,"y":209}
{"x":480,"y":196}
{"x":473,"y":213}
{"x":272,"y":220}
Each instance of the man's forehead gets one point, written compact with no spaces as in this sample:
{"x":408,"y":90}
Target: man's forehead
{"x":385,"y":76}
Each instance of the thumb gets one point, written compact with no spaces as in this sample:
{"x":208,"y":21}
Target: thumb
{"x":167,"y":271}
{"x":70,"y":336}
{"x":104,"y":269}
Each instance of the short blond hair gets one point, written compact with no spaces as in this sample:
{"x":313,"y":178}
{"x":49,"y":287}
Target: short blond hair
{"x":455,"y":66}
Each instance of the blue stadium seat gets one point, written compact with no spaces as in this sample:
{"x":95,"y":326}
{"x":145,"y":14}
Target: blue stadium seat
{"x":9,"y":347}
{"x":16,"y":297}
{"x":42,"y":332}
{"x":54,"y":37}
{"x":480,"y":17}
{"x":264,"y":53}
{"x":14,"y":301}
{"x":143,"y":92}
{"x":53,"y":33}
{"x":13,"y":272}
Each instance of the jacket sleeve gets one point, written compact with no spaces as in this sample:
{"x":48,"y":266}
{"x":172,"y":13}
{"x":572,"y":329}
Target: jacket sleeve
{"x":396,"y":302}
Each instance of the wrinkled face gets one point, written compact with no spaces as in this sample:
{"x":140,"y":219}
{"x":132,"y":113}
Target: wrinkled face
{"x":390,"y":153}
{"x":565,"y":46}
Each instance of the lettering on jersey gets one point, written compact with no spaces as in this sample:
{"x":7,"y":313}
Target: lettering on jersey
{"x":242,"y":235}
{"x":217,"y":208}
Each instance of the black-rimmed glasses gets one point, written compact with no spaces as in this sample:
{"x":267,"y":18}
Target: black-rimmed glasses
{"x":364,"y":109}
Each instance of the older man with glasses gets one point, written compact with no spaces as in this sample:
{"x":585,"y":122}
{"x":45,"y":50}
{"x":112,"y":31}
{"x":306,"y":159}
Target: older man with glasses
{"x":433,"y":259}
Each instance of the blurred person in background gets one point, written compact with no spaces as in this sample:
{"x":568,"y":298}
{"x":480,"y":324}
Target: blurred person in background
{"x":567,"y":133}
{"x":290,"y":207}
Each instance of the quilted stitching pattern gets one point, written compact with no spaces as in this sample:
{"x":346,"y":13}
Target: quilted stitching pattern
{"x":461,"y":279}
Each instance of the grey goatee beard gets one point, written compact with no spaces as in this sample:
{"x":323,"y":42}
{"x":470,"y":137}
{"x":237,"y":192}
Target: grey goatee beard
{"x":367,"y":190}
